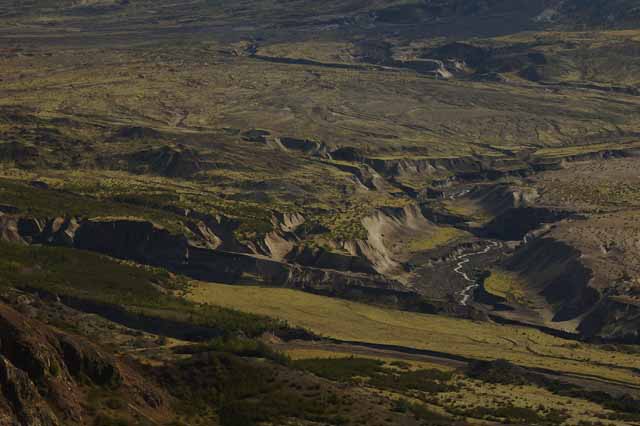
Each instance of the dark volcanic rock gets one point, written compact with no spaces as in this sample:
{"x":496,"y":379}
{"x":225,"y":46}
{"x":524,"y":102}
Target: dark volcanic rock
{"x":137,"y":132}
{"x":44,"y":372}
{"x":169,"y":161}
{"x":320,"y":258}
{"x":9,"y":229}
{"x":20,"y":401}
{"x":347,"y":153}
{"x":313,"y":148}
{"x":472,"y":55}
{"x":22,"y":155}
{"x":255,"y":135}
{"x":85,"y":361}
{"x":559,"y":275}
{"x":131,"y":239}
{"x":614,"y":318}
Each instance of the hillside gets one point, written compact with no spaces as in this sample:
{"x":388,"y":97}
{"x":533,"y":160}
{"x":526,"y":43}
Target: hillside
{"x":319,"y":213}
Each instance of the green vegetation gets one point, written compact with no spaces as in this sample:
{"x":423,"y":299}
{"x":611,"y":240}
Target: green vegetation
{"x":442,"y":236}
{"x":179,"y":115}
{"x":141,"y":291}
{"x":421,"y":413}
{"x":377,"y":374}
{"x":49,"y":203}
{"x":504,"y":372}
{"x":513,"y":414}
{"x":506,"y":285}
{"x":246,"y":394}
{"x":352,"y":321}
{"x":341,"y":369}
{"x":244,"y":347}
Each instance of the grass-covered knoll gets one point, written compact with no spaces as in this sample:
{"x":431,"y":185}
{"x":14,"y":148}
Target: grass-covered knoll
{"x":357,"y":322}
{"x":442,"y":236}
{"x":506,"y":285}
{"x":95,"y":278}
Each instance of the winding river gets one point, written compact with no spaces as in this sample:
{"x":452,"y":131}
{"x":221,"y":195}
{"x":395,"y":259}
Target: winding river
{"x":463,"y":259}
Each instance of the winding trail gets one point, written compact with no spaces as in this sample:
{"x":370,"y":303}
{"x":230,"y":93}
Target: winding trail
{"x":463,"y":259}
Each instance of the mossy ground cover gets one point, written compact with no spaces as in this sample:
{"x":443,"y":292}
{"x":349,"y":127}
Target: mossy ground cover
{"x":357,"y":322}
{"x":506,"y":285}
{"x":441,"y":237}
{"x":45,"y":203}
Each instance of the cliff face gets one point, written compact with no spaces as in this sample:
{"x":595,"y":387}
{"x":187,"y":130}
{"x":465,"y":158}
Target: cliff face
{"x":554,"y":270}
{"x":129,"y":239}
{"x":46,"y":374}
{"x":322,"y":272}
{"x":614,"y":318}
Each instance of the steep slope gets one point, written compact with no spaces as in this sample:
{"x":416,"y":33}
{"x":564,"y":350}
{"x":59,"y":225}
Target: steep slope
{"x":46,"y":377}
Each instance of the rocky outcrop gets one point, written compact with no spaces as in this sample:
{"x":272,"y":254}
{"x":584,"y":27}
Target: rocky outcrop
{"x":279,"y":244}
{"x":291,"y":264}
{"x":170,"y":161}
{"x":363,"y":175}
{"x":321,"y":258}
{"x":20,"y":400}
{"x":30,"y":228}
{"x":385,"y":228}
{"x":140,"y":241}
{"x":515,"y":223}
{"x":554,"y":270}
{"x":136,"y":132}
{"x":19,"y":154}
{"x":85,"y":361}
{"x":287,"y":222}
{"x":43,"y":374}
{"x":301,"y":268}
{"x":9,"y":229}
{"x":35,"y":352}
{"x":40,"y":370}
{"x":216,"y":231}
{"x":613,"y":318}
{"x":309,"y":147}
{"x":497,"y":199}
{"x":348,"y":153}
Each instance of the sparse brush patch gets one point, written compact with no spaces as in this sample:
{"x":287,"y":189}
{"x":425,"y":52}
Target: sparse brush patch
{"x":513,"y":414}
{"x":377,"y":374}
{"x":504,"y":372}
{"x":341,"y":369}
{"x":243,"y":346}
{"x":246,"y":393}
